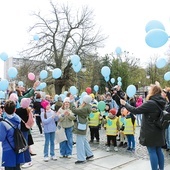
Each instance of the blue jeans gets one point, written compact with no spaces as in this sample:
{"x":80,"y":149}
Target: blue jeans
{"x":167,"y":137}
{"x":131,"y":141}
{"x":82,"y":147}
{"x":49,"y":141}
{"x":139,"y":119}
{"x":26,"y":153}
{"x":67,"y":146}
{"x":156,"y":158}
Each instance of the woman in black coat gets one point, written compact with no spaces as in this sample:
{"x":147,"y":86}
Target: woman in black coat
{"x":150,"y":135}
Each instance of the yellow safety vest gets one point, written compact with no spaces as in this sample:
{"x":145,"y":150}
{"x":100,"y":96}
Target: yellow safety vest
{"x":129,"y":127}
{"x":94,"y":121}
{"x":111,"y":126}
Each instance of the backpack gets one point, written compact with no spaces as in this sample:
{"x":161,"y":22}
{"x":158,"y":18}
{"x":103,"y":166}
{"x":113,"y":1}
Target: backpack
{"x":164,"y":119}
{"x":30,"y":122}
{"x":20,"y":142}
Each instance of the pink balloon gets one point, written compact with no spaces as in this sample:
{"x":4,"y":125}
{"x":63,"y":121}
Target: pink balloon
{"x":31,"y":76}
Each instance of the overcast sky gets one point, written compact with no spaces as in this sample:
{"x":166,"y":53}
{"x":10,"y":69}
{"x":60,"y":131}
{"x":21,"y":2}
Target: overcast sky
{"x":123,"y":21}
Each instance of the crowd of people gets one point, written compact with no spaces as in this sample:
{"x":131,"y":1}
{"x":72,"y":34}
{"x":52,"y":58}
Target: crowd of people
{"x":118,"y":119}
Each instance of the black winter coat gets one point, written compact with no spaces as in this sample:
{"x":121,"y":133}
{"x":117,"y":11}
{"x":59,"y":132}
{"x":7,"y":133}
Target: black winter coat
{"x":150,"y":134}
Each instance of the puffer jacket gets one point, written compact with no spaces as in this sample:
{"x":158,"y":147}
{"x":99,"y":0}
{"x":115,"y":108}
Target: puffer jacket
{"x":82,"y":113}
{"x":150,"y":134}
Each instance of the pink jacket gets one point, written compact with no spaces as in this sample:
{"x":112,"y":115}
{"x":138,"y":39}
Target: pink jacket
{"x":139,"y":101}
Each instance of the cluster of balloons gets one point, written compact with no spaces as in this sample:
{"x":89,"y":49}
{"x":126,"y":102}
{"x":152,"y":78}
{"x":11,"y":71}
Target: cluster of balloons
{"x":3,"y":56}
{"x":156,"y":35}
{"x":76,"y":64}
{"x":105,"y":71}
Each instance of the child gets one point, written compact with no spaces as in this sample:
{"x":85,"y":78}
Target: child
{"x":10,"y":159}
{"x":112,"y":128}
{"x":123,"y":139}
{"x":94,"y":121}
{"x":48,"y":118}
{"x":129,"y":131}
{"x":105,"y":114}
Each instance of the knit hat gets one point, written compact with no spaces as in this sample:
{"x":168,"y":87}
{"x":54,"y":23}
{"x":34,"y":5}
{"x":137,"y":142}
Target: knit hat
{"x":13,"y":97}
{"x":25,"y":102}
{"x":67,"y":99}
{"x":113,"y":111}
{"x":92,"y":95}
{"x":45,"y":103}
{"x":87,"y":99}
{"x":94,"y":106}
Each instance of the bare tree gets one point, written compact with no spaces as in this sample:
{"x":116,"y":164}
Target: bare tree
{"x":63,"y":33}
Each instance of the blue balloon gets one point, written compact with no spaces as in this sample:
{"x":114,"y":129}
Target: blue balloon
{"x":40,"y":87}
{"x":77,"y":67}
{"x":75,"y":59}
{"x":56,"y":73}
{"x":56,"y":97}
{"x":62,"y":96}
{"x":154,"y":24}
{"x":119,"y":83}
{"x":36,"y":37}
{"x":4,"y":56}
{"x":112,"y":80}
{"x":20,"y":83}
{"x":2,"y":95}
{"x":118,"y":51}
{"x":131,"y":90}
{"x":105,"y":71}
{"x":43,"y":85}
{"x":119,"y":79}
{"x":156,"y":38}
{"x":96,"y":88}
{"x":12,"y":72}
{"x":73,"y":90}
{"x":161,"y":62}
{"x":4,"y":84}
{"x":167,"y":76}
{"x":83,"y":94}
{"x":65,"y":93}
{"x":43,"y":74}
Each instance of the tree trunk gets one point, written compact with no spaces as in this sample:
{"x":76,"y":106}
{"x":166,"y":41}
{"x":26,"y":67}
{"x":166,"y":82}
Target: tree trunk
{"x":59,"y":84}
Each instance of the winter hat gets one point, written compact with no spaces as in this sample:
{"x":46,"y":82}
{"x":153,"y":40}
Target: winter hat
{"x":92,"y":95}
{"x":13,"y":97}
{"x":113,"y":111}
{"x":45,"y":103}
{"x":94,"y":106}
{"x":67,"y":99}
{"x":87,"y":99}
{"x":25,"y":102}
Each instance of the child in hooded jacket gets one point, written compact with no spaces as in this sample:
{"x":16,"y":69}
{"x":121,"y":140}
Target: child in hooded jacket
{"x":112,"y":128}
{"x":139,"y":102}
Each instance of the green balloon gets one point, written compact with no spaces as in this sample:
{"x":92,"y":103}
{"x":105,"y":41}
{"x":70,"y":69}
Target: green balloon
{"x":101,"y":105}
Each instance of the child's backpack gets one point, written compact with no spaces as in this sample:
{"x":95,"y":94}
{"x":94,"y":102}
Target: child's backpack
{"x":164,"y":118}
{"x":30,"y":122}
{"x":20,"y":142}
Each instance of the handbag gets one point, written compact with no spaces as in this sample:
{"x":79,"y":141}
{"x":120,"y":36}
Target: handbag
{"x":81,"y":126}
{"x":60,"y":134}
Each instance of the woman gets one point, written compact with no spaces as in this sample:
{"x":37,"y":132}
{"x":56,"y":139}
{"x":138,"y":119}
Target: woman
{"x":150,"y":135}
{"x":48,"y":118}
{"x":66,"y":118}
{"x":84,"y":151}
{"x":22,"y":112}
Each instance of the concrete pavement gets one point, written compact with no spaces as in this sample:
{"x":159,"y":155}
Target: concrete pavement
{"x":121,"y":160}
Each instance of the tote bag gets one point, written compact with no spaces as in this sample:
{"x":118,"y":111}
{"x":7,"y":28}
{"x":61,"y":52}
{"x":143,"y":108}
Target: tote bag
{"x":60,"y":134}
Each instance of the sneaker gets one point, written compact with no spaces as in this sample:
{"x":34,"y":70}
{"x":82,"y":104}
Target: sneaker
{"x":120,"y":144}
{"x":54,"y":158}
{"x":80,"y":162}
{"x":108,"y":149}
{"x":46,"y":159}
{"x":133,"y":149}
{"x":88,"y":158}
{"x":62,"y":156}
{"x":115,"y":149}
{"x":27,"y":165}
{"x":97,"y":141}
{"x":91,"y":141}
{"x":68,"y":156}
{"x":125,"y":145}
{"x":128,"y":149}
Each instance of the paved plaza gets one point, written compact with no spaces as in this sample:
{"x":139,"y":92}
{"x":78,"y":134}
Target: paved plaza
{"x":121,"y":160}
